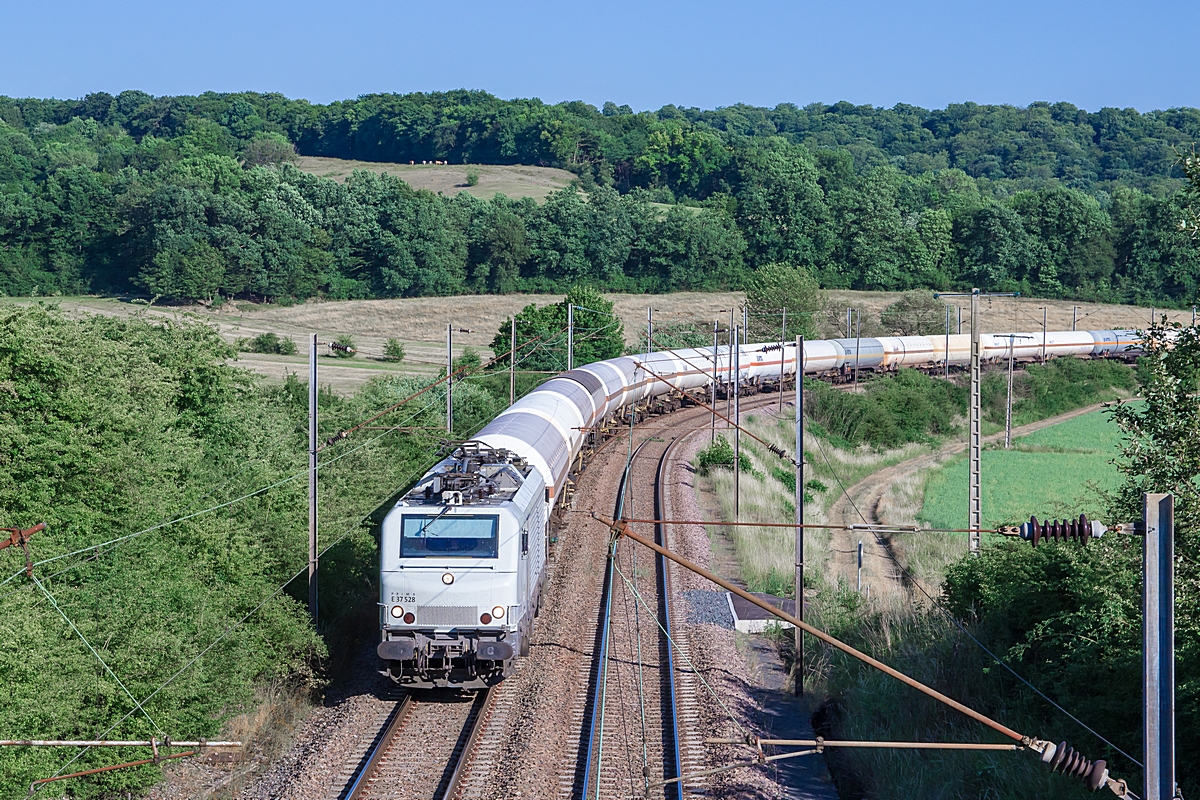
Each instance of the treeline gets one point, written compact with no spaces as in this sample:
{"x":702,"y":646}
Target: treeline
{"x":192,"y":198}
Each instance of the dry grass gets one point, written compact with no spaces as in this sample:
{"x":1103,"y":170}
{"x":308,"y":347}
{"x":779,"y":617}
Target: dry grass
{"x":420,"y":324}
{"x":513,"y":181}
{"x":766,"y":555}
{"x":1012,"y":313}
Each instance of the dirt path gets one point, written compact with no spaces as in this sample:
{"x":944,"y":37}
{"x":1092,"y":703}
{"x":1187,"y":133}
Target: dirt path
{"x":860,"y":503}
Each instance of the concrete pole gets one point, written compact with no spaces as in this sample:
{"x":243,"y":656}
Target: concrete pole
{"x":649,"y":330}
{"x":737,"y":432}
{"x":857,"y":348}
{"x":1193,"y":316}
{"x":799,"y":679}
{"x":312,"y":479}
{"x":745,"y":323}
{"x":712,"y":437}
{"x":449,"y":378}
{"x":946,"y":362}
{"x":570,"y":337}
{"x":1158,"y":645}
{"x":1008,"y":405}
{"x":782,"y":353}
{"x":859,"y":565}
{"x":849,"y":328}
{"x":1044,"y":334}
{"x":960,"y":320}
{"x":729,"y":385}
{"x":1074,"y":312}
{"x":975,"y":499}
{"x":512,"y":361}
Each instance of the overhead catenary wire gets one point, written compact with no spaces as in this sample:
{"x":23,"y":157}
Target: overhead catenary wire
{"x":461,"y":373}
{"x":136,"y":705}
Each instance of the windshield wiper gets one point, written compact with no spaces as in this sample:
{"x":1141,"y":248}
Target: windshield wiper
{"x":429,"y":522}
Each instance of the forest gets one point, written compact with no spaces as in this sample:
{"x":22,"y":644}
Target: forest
{"x":195,"y":199}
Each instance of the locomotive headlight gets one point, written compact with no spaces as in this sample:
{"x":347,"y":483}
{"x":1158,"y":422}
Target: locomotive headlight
{"x":498,"y":612}
{"x":447,"y":579}
{"x":397,"y":611}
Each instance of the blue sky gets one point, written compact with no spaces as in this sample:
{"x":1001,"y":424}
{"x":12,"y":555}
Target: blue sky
{"x":647,"y":54}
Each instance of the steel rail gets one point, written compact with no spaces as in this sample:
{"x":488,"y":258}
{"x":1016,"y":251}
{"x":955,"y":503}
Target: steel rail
{"x":395,"y":720}
{"x":589,"y":747}
{"x":460,"y":766}
{"x":674,"y":769}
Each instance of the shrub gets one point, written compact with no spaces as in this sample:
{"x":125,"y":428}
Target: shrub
{"x":468,"y":361}
{"x":892,"y":410}
{"x":720,"y":454}
{"x":345,"y":347}
{"x":268,"y":343}
{"x":472,"y":177}
{"x":916,"y":313}
{"x":717,"y":454}
{"x":1058,"y":386}
{"x":393,"y":350}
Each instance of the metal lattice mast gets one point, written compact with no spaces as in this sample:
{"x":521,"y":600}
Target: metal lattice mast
{"x":799,"y":687}
{"x":312,"y":479}
{"x":975,"y":502}
{"x":570,"y":337}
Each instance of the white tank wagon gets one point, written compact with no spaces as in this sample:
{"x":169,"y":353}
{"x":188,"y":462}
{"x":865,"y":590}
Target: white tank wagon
{"x":463,"y":554}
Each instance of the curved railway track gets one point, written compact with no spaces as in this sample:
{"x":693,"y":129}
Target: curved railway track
{"x":533,"y":734}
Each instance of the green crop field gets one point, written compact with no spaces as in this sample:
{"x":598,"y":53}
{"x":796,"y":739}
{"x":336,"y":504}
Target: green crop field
{"x":1057,"y":472}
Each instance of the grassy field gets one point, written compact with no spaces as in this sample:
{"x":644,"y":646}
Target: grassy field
{"x":1056,"y":472}
{"x":420,"y":322}
{"x":514,"y":181}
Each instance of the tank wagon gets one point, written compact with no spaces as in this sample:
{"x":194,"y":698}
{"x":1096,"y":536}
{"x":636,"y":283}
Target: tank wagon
{"x":463,"y":553}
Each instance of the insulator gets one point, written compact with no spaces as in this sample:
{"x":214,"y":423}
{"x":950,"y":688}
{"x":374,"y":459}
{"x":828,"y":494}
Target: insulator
{"x":1073,"y":530}
{"x":1069,"y":761}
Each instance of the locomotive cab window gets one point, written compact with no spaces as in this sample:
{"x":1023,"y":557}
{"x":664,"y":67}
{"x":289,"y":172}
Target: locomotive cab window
{"x":459,"y":536}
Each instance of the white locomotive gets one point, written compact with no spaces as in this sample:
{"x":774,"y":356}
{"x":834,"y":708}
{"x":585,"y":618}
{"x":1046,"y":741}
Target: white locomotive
{"x":463,"y":562}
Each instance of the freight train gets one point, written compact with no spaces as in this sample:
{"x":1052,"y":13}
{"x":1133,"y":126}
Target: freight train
{"x":463,"y":553}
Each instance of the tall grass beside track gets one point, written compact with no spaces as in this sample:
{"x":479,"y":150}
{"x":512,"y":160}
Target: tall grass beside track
{"x":860,"y":703}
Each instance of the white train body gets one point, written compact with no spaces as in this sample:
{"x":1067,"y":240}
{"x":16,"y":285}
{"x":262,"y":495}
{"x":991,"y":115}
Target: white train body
{"x":462,"y":565}
{"x":483,"y":513}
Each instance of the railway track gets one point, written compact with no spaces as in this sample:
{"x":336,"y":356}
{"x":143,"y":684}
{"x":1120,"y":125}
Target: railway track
{"x":541,"y":717}
{"x":422,"y":747}
{"x":641,"y":729}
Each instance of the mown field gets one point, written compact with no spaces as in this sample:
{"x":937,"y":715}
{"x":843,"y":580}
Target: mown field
{"x":513,"y":181}
{"x":420,"y":322}
{"x":1056,"y":472}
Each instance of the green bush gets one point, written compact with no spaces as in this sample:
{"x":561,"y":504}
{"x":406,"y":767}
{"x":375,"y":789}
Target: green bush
{"x":113,"y":426}
{"x":393,"y":350}
{"x":345,"y":347}
{"x":717,"y":454}
{"x":268,"y":343}
{"x":468,"y":361}
{"x":1058,"y":386}
{"x":891,"y":410}
{"x":720,"y":454}
{"x":472,"y":177}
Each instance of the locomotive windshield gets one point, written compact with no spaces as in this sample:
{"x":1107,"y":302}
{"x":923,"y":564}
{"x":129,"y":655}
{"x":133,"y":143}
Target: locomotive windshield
{"x":462,"y":536}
